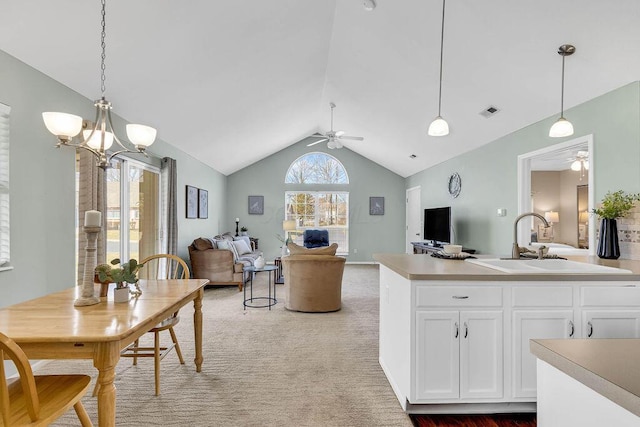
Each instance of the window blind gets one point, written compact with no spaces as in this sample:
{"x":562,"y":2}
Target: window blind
{"x":4,"y":186}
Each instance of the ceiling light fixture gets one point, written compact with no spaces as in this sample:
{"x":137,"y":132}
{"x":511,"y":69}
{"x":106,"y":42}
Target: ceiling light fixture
{"x":581,"y":163}
{"x":439,"y":126}
{"x":369,"y":5}
{"x":98,"y":136}
{"x":562,"y":127}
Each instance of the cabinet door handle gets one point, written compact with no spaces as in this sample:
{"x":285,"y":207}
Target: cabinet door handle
{"x":572,"y":329}
{"x":460,"y":297}
{"x":590,"y":329}
{"x":457,"y":330}
{"x":466,"y":329}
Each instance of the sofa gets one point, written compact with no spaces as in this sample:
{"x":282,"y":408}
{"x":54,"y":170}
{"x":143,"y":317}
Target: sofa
{"x":313,"y":279}
{"x":222,"y":259}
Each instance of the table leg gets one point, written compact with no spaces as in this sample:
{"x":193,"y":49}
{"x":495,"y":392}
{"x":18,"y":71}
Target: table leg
{"x":105,"y":361}
{"x":197,"y":328}
{"x":269,"y":286}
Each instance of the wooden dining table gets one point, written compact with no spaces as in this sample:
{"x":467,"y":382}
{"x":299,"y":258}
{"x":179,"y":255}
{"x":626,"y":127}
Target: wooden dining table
{"x":51,"y":327}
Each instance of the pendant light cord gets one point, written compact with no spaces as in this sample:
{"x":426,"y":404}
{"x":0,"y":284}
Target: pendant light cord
{"x":562,"y":91}
{"x":441,"y":56}
{"x":103,"y":35}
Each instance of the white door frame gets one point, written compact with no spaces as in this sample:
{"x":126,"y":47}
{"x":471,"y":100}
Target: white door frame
{"x":409,"y":230}
{"x":524,"y":185}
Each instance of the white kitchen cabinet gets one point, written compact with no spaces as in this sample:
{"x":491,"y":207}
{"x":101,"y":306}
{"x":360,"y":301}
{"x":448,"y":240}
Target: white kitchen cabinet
{"x":535,"y":324}
{"x":611,"y":323}
{"x":459,"y":355}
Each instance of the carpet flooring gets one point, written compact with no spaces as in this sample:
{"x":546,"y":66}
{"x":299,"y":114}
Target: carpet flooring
{"x":263,"y":368}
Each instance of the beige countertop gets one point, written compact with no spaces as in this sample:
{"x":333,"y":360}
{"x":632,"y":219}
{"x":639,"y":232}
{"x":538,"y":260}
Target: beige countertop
{"x":426,"y":267}
{"x":611,"y":367}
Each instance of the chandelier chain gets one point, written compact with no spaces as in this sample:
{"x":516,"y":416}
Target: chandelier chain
{"x":562,"y":91}
{"x":103,"y":45}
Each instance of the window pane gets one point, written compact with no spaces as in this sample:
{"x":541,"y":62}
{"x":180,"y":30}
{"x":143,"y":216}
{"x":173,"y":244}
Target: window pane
{"x":325,"y":210}
{"x":143,"y":219}
{"x":113,"y":211}
{"x":316,"y":168}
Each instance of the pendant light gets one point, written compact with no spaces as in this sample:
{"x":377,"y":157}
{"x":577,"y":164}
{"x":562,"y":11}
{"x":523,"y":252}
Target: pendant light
{"x":98,"y":137}
{"x":439,"y":126}
{"x":562,"y":127}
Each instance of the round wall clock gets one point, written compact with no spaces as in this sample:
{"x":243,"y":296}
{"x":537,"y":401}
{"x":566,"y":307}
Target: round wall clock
{"x":455,"y":185}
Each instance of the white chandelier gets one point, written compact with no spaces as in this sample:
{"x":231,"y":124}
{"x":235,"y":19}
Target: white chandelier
{"x":98,"y":137}
{"x":439,"y":126}
{"x":562,"y":127}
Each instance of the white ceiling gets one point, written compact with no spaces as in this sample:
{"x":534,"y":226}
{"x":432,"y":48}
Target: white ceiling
{"x":231,"y":82}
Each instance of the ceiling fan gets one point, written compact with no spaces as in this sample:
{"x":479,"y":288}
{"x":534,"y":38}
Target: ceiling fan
{"x":334,"y":137}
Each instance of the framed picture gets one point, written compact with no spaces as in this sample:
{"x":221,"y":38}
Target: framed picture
{"x":545,"y":234}
{"x":376,"y":205}
{"x":256,"y":205}
{"x":192,"y":202}
{"x":203,"y":203}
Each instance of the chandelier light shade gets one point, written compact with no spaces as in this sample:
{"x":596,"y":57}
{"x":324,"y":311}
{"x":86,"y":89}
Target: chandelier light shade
{"x":562,"y":127}
{"x":98,"y":136}
{"x":439,"y":126}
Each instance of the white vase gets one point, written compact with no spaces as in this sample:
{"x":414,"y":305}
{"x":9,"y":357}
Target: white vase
{"x":259,"y":262}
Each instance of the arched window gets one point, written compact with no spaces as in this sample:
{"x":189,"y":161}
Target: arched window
{"x":326,"y":209}
{"x":316,"y":168}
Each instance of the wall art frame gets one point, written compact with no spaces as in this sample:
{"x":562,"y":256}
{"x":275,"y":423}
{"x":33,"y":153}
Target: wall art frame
{"x":376,"y":205}
{"x":191,"y":201}
{"x":256,"y":205}
{"x":203,"y":203}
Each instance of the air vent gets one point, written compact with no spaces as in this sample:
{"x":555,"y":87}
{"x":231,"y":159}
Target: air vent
{"x":413,"y":156}
{"x":490,"y":111}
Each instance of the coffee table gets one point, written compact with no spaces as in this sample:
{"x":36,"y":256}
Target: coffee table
{"x":270,"y":301}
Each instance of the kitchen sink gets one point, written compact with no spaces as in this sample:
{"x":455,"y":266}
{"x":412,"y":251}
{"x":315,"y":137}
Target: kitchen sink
{"x":545,"y":266}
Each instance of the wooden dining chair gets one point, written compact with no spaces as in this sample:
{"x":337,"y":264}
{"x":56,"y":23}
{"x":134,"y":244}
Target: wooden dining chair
{"x":160,"y":266}
{"x":41,"y":399}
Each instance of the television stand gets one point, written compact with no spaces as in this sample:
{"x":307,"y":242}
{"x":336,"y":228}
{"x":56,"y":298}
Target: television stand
{"x":425,"y":248}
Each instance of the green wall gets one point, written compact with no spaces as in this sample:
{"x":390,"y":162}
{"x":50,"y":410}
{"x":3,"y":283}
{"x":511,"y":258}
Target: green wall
{"x":489,"y":173}
{"x":367,"y":234}
{"x":43,"y":185}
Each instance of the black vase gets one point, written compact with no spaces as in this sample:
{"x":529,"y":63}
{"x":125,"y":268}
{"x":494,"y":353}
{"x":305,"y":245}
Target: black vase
{"x":608,"y":247}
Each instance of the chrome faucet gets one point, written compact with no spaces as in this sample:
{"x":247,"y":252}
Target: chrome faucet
{"x":515,"y":252}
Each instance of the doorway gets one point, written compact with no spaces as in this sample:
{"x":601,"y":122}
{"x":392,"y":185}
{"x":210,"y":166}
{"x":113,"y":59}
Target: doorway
{"x":414,"y":225}
{"x":559,"y":157}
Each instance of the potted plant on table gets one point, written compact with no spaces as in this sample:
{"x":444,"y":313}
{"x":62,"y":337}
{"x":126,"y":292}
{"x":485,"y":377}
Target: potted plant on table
{"x":614,"y":205}
{"x":122,"y":276}
{"x":243,"y":231}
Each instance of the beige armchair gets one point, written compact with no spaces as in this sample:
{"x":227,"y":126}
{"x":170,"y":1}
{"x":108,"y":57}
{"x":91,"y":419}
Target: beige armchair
{"x":313,"y":283}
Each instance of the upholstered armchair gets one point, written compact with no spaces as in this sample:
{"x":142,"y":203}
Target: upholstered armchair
{"x":313,"y":279}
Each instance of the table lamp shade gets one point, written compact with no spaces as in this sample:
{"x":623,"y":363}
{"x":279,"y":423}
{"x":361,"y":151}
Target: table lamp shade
{"x":552,"y":216}
{"x":289,"y":224}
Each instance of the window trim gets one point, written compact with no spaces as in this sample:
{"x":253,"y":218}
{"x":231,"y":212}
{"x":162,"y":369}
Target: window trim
{"x":5,"y":188}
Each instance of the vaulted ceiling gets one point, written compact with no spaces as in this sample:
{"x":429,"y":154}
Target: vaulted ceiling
{"x":231,"y":82}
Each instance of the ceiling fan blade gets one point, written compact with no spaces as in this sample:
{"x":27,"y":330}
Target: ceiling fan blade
{"x":317,"y":142}
{"x":354,"y":138}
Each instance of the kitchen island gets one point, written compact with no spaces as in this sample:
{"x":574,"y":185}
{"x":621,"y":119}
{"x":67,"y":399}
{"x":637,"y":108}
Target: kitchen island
{"x":454,"y":336}
{"x":589,"y":383}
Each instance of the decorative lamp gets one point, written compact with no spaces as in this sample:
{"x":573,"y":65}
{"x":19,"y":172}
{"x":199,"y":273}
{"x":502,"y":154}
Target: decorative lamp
{"x":98,"y":136}
{"x":439,"y":126}
{"x":583,"y":217}
{"x":552,"y":217}
{"x":562,"y":127}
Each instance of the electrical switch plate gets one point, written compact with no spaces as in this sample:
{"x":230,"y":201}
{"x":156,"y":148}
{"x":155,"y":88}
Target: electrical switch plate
{"x":502,"y":212}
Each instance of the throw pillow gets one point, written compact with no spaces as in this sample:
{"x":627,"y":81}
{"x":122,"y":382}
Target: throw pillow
{"x":301,"y":250}
{"x":241,"y":247}
{"x":202,"y":244}
{"x":246,"y":239}
{"x":223,"y":244}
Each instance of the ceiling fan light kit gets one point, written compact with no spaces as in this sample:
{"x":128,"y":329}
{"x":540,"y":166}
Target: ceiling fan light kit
{"x":439,"y":126}
{"x":562,"y":127}
{"x":333,"y":137}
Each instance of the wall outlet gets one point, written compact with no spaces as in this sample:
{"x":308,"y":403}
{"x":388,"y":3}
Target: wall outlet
{"x":355,"y":251}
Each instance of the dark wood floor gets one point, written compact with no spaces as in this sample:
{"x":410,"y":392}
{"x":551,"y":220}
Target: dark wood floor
{"x":497,"y":420}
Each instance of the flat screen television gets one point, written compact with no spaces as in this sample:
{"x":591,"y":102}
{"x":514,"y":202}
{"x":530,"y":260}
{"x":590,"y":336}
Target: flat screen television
{"x":437,"y":225}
